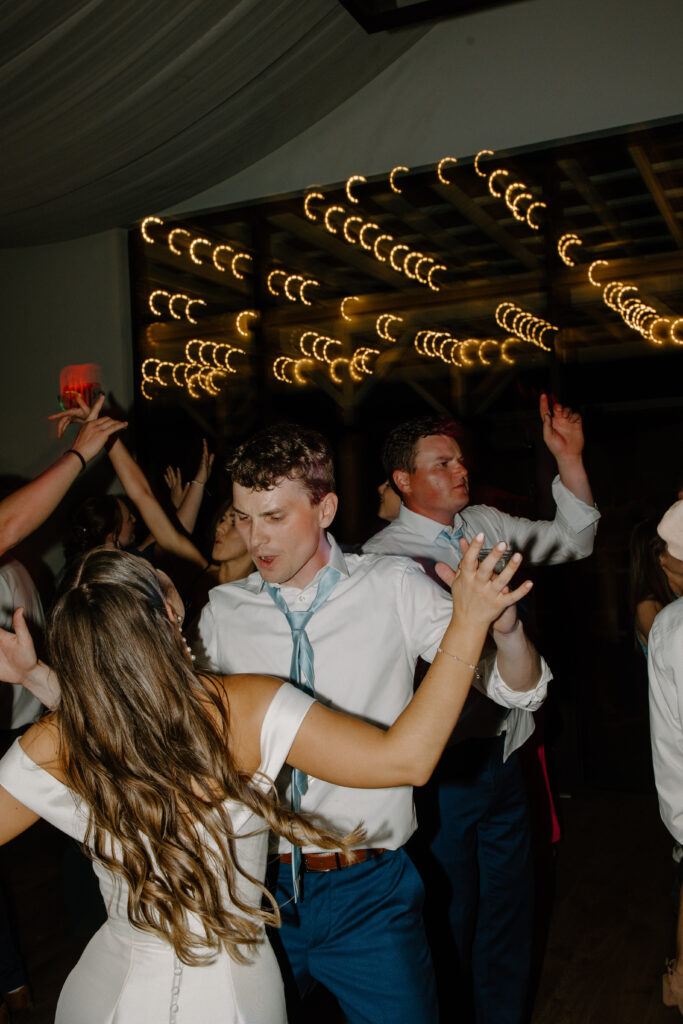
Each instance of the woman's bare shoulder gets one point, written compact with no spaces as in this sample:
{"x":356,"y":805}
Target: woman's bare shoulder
{"x":42,"y":743}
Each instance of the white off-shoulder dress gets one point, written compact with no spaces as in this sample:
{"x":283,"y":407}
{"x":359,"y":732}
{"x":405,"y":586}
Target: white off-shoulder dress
{"x":127,"y":976}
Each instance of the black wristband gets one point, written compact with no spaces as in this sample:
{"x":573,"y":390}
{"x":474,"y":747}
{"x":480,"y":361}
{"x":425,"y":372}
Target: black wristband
{"x":72,"y":451}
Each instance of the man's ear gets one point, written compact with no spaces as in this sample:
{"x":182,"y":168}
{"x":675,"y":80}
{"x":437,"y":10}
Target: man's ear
{"x":402,"y":480}
{"x":327,"y":509}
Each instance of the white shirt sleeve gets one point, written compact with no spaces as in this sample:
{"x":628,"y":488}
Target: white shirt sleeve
{"x":665,"y":670}
{"x":567,"y":537}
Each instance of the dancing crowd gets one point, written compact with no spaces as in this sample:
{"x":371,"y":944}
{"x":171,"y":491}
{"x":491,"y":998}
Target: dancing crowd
{"x":235,"y":739}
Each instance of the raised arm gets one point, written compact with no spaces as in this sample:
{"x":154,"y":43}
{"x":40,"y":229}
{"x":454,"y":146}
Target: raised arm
{"x":348,"y":752}
{"x":563,"y":435}
{"x":138,"y":490}
{"x":193,"y":492}
{"x":23,"y":512}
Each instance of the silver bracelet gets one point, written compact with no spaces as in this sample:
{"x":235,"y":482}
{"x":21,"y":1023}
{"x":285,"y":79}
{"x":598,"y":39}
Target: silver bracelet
{"x":198,"y":482}
{"x":477,"y":675}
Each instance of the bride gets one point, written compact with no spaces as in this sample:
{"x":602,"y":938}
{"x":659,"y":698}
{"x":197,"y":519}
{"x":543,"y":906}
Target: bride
{"x":166,"y":777}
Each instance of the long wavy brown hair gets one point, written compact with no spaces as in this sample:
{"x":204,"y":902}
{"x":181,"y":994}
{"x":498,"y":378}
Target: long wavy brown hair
{"x":146,"y":744}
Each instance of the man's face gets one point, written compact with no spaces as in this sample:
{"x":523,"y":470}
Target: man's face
{"x":283,"y":531}
{"x":439,"y":486}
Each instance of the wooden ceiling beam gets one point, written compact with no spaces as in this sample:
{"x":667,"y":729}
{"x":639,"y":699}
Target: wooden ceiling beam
{"x":646,"y":171}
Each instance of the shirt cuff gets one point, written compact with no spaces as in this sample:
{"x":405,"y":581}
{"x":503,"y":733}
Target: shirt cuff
{"x":576,"y":513}
{"x":528,"y":700}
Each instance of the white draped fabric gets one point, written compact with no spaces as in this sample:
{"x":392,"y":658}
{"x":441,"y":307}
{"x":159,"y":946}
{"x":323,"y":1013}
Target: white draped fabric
{"x":113,"y":109}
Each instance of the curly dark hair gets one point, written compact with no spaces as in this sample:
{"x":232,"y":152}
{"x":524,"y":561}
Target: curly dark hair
{"x":400,"y":447}
{"x":284,"y":451}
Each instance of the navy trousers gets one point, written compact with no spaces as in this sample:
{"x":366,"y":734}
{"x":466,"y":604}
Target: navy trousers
{"x":478,"y":874}
{"x":360,"y":932}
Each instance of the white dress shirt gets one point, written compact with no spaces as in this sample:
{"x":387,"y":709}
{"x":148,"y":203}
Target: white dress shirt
{"x":568,"y":537}
{"x":665,"y":670}
{"x":382,"y":615}
{"x":17,"y":588}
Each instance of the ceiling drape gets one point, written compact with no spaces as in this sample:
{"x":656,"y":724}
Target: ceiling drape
{"x":113,"y":109}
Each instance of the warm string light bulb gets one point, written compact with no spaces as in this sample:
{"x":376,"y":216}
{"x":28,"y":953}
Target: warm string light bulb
{"x":382,"y":325}
{"x":293,"y":286}
{"x":193,"y":247}
{"x":480,"y":154}
{"x":392,"y":178}
{"x":500,"y":190}
{"x":352,"y":181}
{"x":443,"y":163}
{"x":343,"y":306}
{"x":523,"y":325}
{"x":171,"y":301}
{"x":145,"y":224}
{"x":241,"y":321}
{"x":563,"y":244}
{"x":172,"y":237}
{"x":307,"y":204}
{"x":622,"y":297}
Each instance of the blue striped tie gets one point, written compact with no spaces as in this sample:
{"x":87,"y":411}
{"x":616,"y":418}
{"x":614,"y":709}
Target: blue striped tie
{"x":302,"y":673}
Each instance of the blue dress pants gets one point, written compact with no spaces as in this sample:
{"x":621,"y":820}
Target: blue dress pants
{"x":478,"y":875}
{"x":360,"y":932}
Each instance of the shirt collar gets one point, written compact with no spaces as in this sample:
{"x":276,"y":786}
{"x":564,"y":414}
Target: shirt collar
{"x":336,"y":560}
{"x":426,"y":527}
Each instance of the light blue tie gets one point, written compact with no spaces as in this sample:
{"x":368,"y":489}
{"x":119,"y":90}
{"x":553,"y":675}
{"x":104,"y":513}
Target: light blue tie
{"x":453,"y":539}
{"x":302,"y":673}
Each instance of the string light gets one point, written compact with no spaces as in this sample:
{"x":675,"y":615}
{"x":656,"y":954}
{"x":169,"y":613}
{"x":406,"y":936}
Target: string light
{"x":334,"y":374}
{"x":431,"y":272}
{"x":425,"y":259}
{"x":347,"y":222}
{"x":290,"y":281}
{"x":193,"y":245}
{"x":513,"y":205}
{"x":480,"y":154}
{"x":375,"y":246}
{"x":308,"y":282}
{"x":444,"y":162}
{"x":366,"y":227}
{"x":523,"y":325}
{"x":563,"y":244}
{"x":591,"y":271}
{"x":159,"y":291}
{"x":214,"y":255}
{"x":307,"y":203}
{"x":271,"y":278}
{"x":499,"y":173}
{"x":233,"y":264}
{"x":193,"y":302}
{"x":382,"y":325}
{"x":179,"y":297}
{"x":537,"y":205}
{"x":328,"y":215}
{"x":351,"y":181}
{"x":171,"y":242}
{"x":143,"y":228}
{"x":343,"y":304}
{"x":241,"y":321}
{"x":392,"y":255}
{"x":412,"y":274}
{"x":392,"y":178}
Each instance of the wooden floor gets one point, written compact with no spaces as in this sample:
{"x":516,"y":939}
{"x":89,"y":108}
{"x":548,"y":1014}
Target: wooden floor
{"x":610,"y":928}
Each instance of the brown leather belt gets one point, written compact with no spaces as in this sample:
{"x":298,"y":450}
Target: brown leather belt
{"x":334,"y":861}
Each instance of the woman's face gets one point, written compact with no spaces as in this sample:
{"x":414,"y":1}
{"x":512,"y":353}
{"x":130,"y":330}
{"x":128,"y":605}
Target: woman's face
{"x":127,"y":531}
{"x":227,"y":543}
